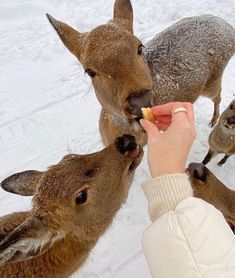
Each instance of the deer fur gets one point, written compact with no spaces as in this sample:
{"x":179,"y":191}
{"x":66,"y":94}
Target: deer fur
{"x":187,"y":60}
{"x":222,"y":137}
{"x":181,"y":63}
{"x":207,"y":187}
{"x":73,"y":205}
{"x":122,"y":78}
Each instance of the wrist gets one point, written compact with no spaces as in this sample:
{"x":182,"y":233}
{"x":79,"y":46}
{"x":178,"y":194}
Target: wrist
{"x":160,"y":170}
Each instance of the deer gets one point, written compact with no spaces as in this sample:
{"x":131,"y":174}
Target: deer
{"x":222,"y":137}
{"x":181,"y":63}
{"x":74,"y":203}
{"x":209,"y":188}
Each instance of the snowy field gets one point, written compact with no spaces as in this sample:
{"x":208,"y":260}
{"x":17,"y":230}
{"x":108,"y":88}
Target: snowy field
{"x":43,"y":92}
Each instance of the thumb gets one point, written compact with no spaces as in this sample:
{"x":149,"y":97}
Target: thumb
{"x":149,"y":127}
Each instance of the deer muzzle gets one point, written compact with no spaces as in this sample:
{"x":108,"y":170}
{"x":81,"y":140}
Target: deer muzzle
{"x":137,"y":100}
{"x":198,"y":171}
{"x":127,"y":146}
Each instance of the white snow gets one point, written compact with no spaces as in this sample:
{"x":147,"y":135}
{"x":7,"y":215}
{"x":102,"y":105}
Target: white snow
{"x":44,"y":94}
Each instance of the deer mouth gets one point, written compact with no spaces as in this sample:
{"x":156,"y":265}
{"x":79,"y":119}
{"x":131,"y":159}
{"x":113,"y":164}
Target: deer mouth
{"x":230,"y":122}
{"x":135,"y":101}
{"x":137,"y":156}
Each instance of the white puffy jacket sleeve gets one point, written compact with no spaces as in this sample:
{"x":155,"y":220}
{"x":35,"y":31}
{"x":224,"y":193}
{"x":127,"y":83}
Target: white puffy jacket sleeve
{"x":188,"y":237}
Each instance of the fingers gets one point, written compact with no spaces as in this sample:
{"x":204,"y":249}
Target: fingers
{"x":149,"y":127}
{"x":164,"y":109}
{"x":179,"y":113}
{"x":190,"y":112}
{"x":163,"y":126}
{"x":187,"y":116}
{"x":167,"y":110}
{"x":163,"y":119}
{"x":168,"y":114}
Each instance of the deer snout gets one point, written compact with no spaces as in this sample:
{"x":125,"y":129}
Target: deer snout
{"x":137,"y":100}
{"x":128,"y":147}
{"x":126,"y":144}
{"x":198,"y":171}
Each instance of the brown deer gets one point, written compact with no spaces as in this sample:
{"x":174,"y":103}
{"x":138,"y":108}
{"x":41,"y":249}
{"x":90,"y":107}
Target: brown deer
{"x":181,"y":63}
{"x":73,"y":205}
{"x":112,"y":56}
{"x":207,"y":187}
{"x":222,"y":137}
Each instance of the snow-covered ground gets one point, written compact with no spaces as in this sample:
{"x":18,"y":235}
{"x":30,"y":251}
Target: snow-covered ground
{"x":43,"y":92}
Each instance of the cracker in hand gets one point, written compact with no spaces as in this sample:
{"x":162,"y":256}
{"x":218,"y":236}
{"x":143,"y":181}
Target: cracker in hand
{"x":148,"y":114}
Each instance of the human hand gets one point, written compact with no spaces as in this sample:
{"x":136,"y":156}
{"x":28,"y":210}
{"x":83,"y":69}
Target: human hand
{"x":168,"y":150}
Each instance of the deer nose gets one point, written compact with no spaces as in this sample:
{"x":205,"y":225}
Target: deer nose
{"x":137,"y":100}
{"x":126,"y":143}
{"x":231,"y":120}
{"x":198,"y":171}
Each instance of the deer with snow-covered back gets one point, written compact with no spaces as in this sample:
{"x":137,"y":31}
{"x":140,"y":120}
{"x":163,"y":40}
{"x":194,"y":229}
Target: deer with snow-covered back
{"x":181,"y":63}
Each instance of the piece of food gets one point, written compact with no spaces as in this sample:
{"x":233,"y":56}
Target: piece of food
{"x":148,"y":114}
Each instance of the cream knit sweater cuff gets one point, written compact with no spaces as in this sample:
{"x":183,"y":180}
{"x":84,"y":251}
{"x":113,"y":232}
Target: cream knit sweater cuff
{"x":165,"y":192}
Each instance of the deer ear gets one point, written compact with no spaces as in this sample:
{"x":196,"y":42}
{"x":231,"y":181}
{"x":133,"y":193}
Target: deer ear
{"x":28,"y":240}
{"x":71,"y":38}
{"x":23,"y":183}
{"x":123,"y":14}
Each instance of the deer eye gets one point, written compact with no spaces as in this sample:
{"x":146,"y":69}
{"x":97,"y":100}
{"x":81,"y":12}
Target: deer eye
{"x":89,"y":173}
{"x":231,"y":107}
{"x":140,"y":49}
{"x":81,"y":197}
{"x":90,"y":72}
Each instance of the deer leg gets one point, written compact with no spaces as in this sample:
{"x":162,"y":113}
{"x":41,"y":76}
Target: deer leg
{"x":216,"y":100}
{"x":223,"y":160}
{"x":208,"y":157}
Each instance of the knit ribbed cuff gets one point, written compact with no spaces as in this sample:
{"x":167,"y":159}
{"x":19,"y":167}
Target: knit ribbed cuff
{"x":165,"y":192}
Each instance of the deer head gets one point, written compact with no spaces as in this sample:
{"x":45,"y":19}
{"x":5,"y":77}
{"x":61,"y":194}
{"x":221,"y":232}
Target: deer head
{"x":112,"y":56}
{"x":207,"y":187}
{"x":227,"y":118}
{"x":79,"y":196}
